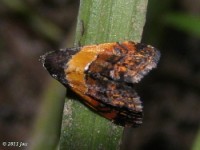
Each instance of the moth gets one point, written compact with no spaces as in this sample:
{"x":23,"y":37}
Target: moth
{"x":104,"y":76}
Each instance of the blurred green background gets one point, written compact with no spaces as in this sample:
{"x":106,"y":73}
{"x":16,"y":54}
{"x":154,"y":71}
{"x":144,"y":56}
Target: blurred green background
{"x":171,"y":93}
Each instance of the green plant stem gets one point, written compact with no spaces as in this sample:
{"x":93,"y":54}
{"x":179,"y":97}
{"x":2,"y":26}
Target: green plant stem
{"x":46,"y":132}
{"x":100,"y":21}
{"x":196,"y":144}
{"x":184,"y":22}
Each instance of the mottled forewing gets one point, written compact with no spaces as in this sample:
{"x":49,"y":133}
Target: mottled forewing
{"x":55,"y":63}
{"x":126,"y":62}
{"x":119,"y":97}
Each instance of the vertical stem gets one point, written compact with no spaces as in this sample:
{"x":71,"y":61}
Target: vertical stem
{"x":46,"y":130}
{"x":100,"y":21}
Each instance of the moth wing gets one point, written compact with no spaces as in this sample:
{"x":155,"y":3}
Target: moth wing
{"x":126,"y":62}
{"x":120,"y":98}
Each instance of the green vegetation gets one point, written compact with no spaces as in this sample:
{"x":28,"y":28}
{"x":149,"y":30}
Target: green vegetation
{"x":100,"y":22}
